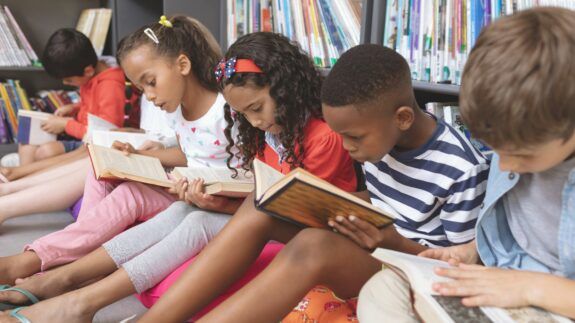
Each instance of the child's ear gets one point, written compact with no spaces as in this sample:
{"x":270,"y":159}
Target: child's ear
{"x":89,"y":71}
{"x":184,"y":64}
{"x":404,"y":117}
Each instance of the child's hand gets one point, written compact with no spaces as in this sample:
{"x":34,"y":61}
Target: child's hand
{"x":64,"y":110}
{"x":179,"y":188}
{"x":151,"y":145}
{"x":483,"y":286}
{"x":124,"y":147}
{"x":195,"y":195}
{"x":55,"y":125}
{"x":465,"y":253}
{"x":365,"y":234}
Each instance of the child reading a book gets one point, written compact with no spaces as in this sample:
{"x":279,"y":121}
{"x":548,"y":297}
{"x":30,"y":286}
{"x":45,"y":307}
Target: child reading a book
{"x":169,"y":60}
{"x":274,"y":90}
{"x":70,"y":56}
{"x":525,"y":231}
{"x":425,"y":170}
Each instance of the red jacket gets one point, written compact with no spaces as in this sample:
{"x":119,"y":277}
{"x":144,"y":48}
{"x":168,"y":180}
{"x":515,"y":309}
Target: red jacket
{"x":103,"y":96}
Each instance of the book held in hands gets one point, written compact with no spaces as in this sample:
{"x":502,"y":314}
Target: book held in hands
{"x":307,"y":200}
{"x":419,"y":273}
{"x":30,"y":128}
{"x":113,"y":164}
{"x":219,"y":181}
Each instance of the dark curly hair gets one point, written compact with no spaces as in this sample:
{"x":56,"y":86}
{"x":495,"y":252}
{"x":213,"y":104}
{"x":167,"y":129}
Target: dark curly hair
{"x":295,"y":87}
{"x":186,"y":36}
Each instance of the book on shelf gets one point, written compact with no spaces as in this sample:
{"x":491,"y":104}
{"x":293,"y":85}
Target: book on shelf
{"x":95,"y":23}
{"x":112,"y":164}
{"x":219,"y":181}
{"x":15,"y":50}
{"x":304,"y":199}
{"x":323,"y":28}
{"x":419,"y":273}
{"x":30,"y":128}
{"x":435,"y":37}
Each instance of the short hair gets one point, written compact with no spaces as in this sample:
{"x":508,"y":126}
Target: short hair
{"x":67,"y":53}
{"x":187,"y":36}
{"x":517,"y":87}
{"x":363,"y":74}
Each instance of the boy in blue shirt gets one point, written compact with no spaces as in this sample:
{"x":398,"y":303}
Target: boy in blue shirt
{"x":523,"y":108}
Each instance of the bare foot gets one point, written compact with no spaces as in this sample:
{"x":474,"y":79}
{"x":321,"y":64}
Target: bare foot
{"x":7,"y":172}
{"x":21,"y":265}
{"x":43,"y":286}
{"x":69,"y":308}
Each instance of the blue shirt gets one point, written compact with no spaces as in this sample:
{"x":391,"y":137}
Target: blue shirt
{"x":435,"y":190}
{"x":495,"y":243}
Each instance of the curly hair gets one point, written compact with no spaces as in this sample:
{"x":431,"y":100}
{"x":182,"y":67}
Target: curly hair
{"x":295,"y":87}
{"x":187,"y":36}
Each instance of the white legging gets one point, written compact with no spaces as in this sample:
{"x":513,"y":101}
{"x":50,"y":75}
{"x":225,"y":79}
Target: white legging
{"x":152,"y":250}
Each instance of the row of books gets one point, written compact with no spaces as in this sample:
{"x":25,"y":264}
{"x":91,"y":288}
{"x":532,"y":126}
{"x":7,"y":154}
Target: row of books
{"x":95,"y":23}
{"x":13,"y":99}
{"x":435,"y":37}
{"x":323,"y":28}
{"x":15,"y":49}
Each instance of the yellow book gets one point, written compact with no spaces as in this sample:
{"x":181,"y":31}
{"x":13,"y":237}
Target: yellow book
{"x":113,"y":164}
{"x":307,"y":200}
{"x":23,"y":96}
{"x":12,"y":118}
{"x":219,"y":181}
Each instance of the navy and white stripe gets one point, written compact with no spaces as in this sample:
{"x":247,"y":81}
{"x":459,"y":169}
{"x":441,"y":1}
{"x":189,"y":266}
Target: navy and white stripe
{"x":436,"y":190}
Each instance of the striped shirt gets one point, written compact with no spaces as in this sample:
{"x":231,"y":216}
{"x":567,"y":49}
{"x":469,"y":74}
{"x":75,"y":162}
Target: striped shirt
{"x":435,"y":190}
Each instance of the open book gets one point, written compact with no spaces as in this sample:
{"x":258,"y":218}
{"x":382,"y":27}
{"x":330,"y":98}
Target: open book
{"x":106,"y":138}
{"x":110,"y":163}
{"x":307,"y":200}
{"x":419,"y":272}
{"x":219,"y":181}
{"x":30,"y":128}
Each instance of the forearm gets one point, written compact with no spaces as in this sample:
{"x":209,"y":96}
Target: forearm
{"x":232,"y":206}
{"x":552,"y":293}
{"x":170,"y":157}
{"x":395,"y":241}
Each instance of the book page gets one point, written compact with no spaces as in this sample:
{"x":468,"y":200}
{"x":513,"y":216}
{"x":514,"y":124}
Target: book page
{"x":106,"y":138}
{"x":522,"y":315}
{"x":111,"y":160}
{"x":213,"y":175}
{"x":419,"y":270}
{"x":265,"y":177}
{"x":37,"y":115}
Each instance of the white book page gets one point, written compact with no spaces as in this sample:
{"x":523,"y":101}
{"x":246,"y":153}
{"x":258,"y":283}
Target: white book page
{"x":522,"y":315}
{"x":106,"y":138}
{"x":419,"y":270}
{"x":266,"y":177}
{"x":132,"y":164}
{"x":214,"y":175}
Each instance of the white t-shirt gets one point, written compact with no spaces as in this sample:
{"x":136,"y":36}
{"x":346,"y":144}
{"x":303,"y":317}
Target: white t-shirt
{"x":203,"y":140}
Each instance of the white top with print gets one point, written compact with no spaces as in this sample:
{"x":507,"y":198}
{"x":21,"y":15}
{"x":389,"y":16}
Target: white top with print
{"x":203,"y":140}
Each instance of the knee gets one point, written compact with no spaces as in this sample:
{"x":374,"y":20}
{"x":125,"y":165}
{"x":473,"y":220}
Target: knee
{"x":46,"y":151}
{"x":312,"y":249}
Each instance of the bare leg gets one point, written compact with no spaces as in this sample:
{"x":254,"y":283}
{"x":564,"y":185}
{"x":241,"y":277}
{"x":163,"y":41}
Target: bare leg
{"x":81,"y":305}
{"x":14,"y":173}
{"x":313,"y":257}
{"x":21,"y":265}
{"x":27,"y":154}
{"x":221,"y":263}
{"x":48,"y":150}
{"x":47,"y":176}
{"x":69,"y":184}
{"x":65,"y":278}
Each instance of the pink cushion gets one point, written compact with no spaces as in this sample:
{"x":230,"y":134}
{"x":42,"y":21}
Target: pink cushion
{"x":152,"y":295}
{"x":75,"y":209}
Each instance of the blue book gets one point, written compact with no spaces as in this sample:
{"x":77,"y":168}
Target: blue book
{"x":30,"y":128}
{"x":328,"y":20}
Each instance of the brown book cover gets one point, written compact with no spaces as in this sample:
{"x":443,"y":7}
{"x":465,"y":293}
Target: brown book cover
{"x":307,"y":200}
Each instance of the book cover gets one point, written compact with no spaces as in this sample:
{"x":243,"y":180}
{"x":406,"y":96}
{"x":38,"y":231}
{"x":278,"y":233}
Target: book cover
{"x":30,"y":128}
{"x":219,"y":181}
{"x":304,"y":199}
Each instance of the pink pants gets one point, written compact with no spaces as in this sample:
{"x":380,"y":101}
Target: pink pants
{"x":108,"y":208}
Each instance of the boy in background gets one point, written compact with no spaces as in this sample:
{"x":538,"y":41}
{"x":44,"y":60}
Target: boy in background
{"x":524,"y":109}
{"x":70,"y":56}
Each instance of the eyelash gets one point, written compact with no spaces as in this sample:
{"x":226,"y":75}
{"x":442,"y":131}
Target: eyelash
{"x":152,"y":83}
{"x":257,"y":109}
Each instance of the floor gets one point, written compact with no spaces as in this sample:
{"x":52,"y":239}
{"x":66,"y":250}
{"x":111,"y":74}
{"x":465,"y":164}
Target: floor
{"x":16,"y":233}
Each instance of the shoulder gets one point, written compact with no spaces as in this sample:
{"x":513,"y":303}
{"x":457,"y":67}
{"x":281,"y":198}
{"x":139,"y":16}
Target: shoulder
{"x":318,"y":132}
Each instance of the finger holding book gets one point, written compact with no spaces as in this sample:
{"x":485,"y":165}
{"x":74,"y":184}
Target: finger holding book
{"x":363,"y":233}
{"x":151,"y":145}
{"x":179,"y":188}
{"x":55,"y":125}
{"x":124,"y":147}
{"x":465,"y":253}
{"x":196,"y":195}
{"x":65,"y":110}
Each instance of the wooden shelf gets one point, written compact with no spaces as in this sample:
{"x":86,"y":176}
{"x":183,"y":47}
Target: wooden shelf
{"x":21,"y":69}
{"x":448,"y":89}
